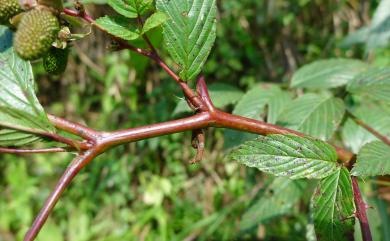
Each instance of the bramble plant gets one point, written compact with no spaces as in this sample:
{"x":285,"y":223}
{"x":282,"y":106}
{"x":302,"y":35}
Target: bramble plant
{"x":317,"y":128}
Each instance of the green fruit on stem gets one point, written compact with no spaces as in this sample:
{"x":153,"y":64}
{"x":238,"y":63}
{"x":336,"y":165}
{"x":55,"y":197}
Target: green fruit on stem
{"x":56,"y":60}
{"x":8,"y":9}
{"x":36,"y":32}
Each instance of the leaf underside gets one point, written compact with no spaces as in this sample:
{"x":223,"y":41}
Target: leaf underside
{"x":19,"y":107}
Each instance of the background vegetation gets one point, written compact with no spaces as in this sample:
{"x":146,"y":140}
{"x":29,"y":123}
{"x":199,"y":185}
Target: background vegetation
{"x":147,"y":190}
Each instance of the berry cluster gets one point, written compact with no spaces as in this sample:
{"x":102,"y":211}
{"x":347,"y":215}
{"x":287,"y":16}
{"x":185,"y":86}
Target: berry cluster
{"x":36,"y":31}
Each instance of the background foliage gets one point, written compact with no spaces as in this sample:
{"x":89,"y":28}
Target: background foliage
{"x":147,"y":190}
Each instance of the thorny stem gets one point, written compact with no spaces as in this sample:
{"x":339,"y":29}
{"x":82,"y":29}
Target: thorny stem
{"x":207,"y":116}
{"x":361,"y":208}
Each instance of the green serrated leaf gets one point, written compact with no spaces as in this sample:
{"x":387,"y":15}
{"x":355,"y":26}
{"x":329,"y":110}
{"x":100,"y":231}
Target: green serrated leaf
{"x":278,"y":199}
{"x":155,"y":20}
{"x":119,"y":27}
{"x":276,"y":105}
{"x":288,"y":155}
{"x":373,"y":83}
{"x":355,"y":136}
{"x":332,"y":207}
{"x":221,"y":95}
{"x":329,"y":73}
{"x":131,"y":8}
{"x":373,"y":160}
{"x":252,"y":105}
{"x":190,"y":32}
{"x":19,"y":107}
{"x":314,"y":115}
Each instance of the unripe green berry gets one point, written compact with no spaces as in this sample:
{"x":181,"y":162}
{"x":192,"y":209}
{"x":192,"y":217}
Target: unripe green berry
{"x":55,"y":60}
{"x":36,"y":32}
{"x":8,"y":9}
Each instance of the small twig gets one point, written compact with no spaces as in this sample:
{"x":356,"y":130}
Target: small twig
{"x":123,"y":44}
{"x":32,"y":151}
{"x":74,"y":128}
{"x":361,"y":213}
{"x":145,"y":37}
{"x":369,"y":128}
{"x":203,"y":92}
{"x":72,"y":143}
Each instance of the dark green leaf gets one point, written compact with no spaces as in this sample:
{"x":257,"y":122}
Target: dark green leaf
{"x":332,"y":207}
{"x":119,"y":27}
{"x":19,"y":107}
{"x":189,"y":33}
{"x":315,"y":115}
{"x":373,"y":83}
{"x":278,"y":199}
{"x":154,"y":21}
{"x":131,"y":8}
{"x":328,"y":73}
{"x":373,"y":160}
{"x":288,"y":155}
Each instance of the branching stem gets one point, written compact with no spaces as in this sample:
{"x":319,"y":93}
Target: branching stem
{"x":206,"y":116}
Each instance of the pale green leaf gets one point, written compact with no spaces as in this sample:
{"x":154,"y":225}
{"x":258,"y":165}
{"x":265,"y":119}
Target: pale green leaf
{"x":131,"y":8}
{"x":19,"y":107}
{"x":252,"y":105}
{"x":276,"y":105}
{"x":119,"y":27}
{"x":373,"y":83}
{"x":332,"y":207}
{"x":315,"y":115}
{"x":221,"y":95}
{"x":190,"y":32}
{"x":355,"y":136}
{"x":373,"y":160}
{"x":379,"y":35}
{"x":327,"y":73}
{"x":276,"y":200}
{"x":155,"y":20}
{"x":288,"y":155}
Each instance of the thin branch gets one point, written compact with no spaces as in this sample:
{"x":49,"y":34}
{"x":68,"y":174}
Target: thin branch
{"x":74,"y":128}
{"x":62,"y":184}
{"x":72,"y":143}
{"x":32,"y":151}
{"x":203,"y":92}
{"x":123,"y":44}
{"x":361,"y":208}
{"x":145,"y":37}
{"x":369,"y":128}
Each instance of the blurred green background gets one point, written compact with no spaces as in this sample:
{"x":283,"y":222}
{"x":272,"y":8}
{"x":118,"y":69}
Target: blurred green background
{"x":147,"y":190}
